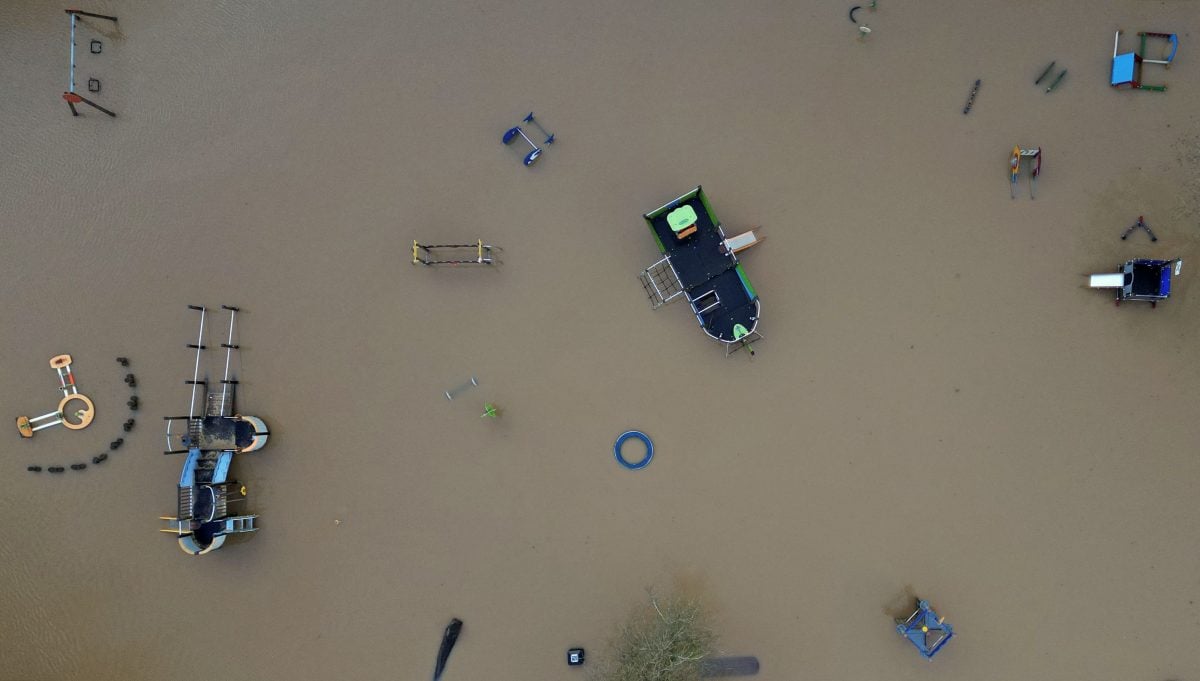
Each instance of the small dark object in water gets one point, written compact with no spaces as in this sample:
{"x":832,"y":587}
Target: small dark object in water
{"x":971,"y":99}
{"x":123,"y":361}
{"x":78,"y":466}
{"x":729,"y":666}
{"x":96,"y":46}
{"x":133,"y":403}
{"x":100,"y":458}
{"x":1141,"y":223}
{"x":34,"y":469}
{"x":128,"y":425}
{"x":449,"y":638}
{"x":1044,"y":74}
{"x":93,"y":85}
{"x":131,"y":380}
{"x":575,"y":657}
{"x":56,"y":469}
{"x":852,"y":11}
{"x":115,"y":444}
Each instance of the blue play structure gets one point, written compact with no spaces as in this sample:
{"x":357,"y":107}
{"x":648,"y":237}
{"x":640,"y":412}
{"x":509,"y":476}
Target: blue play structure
{"x":925,"y":630}
{"x":1127,"y":67}
{"x":1140,"y":279}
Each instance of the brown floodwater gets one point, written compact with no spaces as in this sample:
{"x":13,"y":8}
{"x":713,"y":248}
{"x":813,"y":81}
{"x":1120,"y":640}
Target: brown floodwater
{"x":940,"y":406}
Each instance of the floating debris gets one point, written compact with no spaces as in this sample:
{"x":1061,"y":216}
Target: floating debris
{"x":100,"y":458}
{"x":78,"y":466}
{"x":34,"y":469}
{"x":449,"y":638}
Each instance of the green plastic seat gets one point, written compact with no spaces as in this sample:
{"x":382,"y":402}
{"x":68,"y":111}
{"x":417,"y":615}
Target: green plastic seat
{"x":681,"y":218}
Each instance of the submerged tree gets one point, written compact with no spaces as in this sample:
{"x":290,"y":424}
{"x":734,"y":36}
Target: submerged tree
{"x":663,"y":640}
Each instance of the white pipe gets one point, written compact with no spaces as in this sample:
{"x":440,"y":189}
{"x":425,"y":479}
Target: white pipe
{"x":196,"y":370}
{"x":71,"y":71}
{"x":228,"y":352}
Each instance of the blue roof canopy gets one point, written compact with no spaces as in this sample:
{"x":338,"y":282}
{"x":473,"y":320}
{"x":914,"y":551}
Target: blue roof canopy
{"x":1122,"y":68}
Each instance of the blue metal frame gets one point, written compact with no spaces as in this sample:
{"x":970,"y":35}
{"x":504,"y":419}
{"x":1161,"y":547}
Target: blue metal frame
{"x":925,"y":630}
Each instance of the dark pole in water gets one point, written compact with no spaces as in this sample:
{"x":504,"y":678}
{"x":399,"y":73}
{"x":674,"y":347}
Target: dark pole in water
{"x":971,"y":98}
{"x":1044,"y":74}
{"x":1057,"y":80}
{"x":90,"y":14}
{"x":95,"y":105}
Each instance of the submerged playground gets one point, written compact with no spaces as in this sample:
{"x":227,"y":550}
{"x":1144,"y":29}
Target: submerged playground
{"x":716,"y":315}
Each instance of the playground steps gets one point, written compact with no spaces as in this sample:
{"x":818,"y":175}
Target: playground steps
{"x":193,"y":432}
{"x":186,"y":497}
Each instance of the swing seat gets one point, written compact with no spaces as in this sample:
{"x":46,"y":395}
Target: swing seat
{"x":60,"y":361}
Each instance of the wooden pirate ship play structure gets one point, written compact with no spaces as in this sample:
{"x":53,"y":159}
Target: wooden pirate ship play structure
{"x":210,"y":437}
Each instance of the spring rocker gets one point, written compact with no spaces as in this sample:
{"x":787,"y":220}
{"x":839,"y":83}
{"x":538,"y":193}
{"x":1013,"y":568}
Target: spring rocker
{"x":27,"y":426}
{"x":1127,"y":68}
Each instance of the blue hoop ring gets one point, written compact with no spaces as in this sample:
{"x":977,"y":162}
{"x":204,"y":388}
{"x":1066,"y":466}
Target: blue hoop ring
{"x":637,"y":434}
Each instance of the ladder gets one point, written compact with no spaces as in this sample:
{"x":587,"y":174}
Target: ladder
{"x":186,"y":496}
{"x":239,"y":524}
{"x":194,"y":431}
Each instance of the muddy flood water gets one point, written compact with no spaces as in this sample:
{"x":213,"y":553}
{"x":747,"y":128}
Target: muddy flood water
{"x":940,"y":406}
